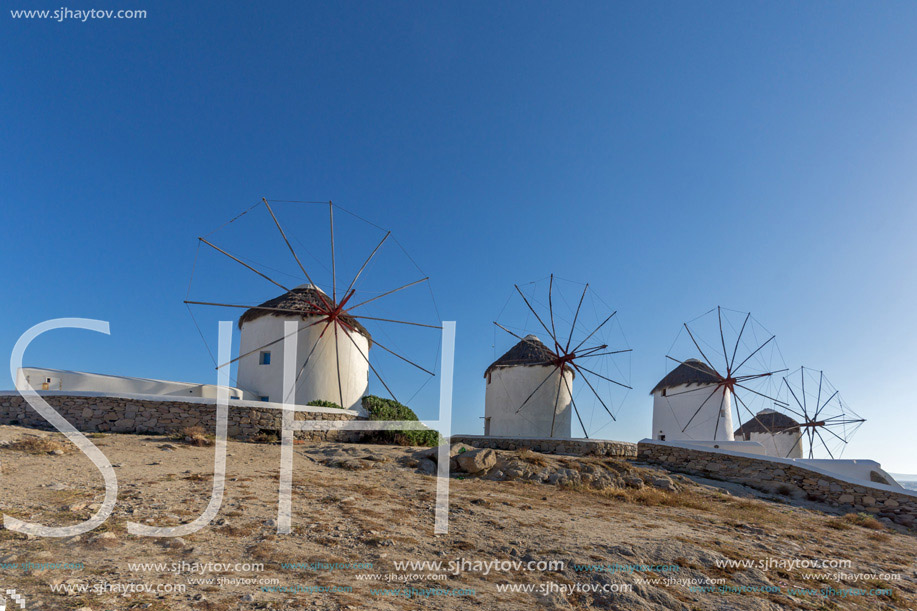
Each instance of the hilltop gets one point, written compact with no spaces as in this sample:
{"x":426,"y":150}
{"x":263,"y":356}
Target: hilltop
{"x":654,"y":539}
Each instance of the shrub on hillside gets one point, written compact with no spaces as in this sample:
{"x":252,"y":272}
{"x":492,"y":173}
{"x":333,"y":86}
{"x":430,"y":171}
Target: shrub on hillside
{"x":323,"y":403}
{"x":389,"y":409}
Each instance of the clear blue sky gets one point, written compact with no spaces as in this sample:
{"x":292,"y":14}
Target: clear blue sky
{"x":676,"y":155}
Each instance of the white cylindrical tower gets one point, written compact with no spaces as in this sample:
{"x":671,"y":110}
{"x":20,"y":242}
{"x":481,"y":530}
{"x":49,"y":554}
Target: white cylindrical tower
{"x":319,"y":366}
{"x":527,"y":394}
{"x":723,"y":429}
{"x":780,"y":435}
{"x":690,"y":404}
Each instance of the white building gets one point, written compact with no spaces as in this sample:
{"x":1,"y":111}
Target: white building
{"x":689,"y":405}
{"x":527,"y":395}
{"x":317,"y":366}
{"x":778,"y":433}
{"x":60,"y":380}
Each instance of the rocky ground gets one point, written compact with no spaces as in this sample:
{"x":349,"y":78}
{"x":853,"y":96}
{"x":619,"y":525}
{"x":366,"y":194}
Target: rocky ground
{"x":629,"y":536}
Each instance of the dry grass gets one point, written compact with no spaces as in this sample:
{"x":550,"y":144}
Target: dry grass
{"x":533,"y":458}
{"x":195,"y":436}
{"x":892,"y":592}
{"x":653,"y":497}
{"x":748,"y":511}
{"x":233,"y":531}
{"x":881,"y":537}
{"x":40,"y":445}
{"x":102,"y":543}
{"x":262,"y":437}
{"x":850,"y":520}
{"x":264,"y":550}
{"x":209,"y":605}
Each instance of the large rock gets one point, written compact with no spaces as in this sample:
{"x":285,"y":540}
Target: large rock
{"x":664,"y":483}
{"x":476,"y":461}
{"x":433,"y":453}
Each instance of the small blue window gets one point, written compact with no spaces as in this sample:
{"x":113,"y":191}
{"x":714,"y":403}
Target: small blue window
{"x":265,"y":399}
{"x":265,"y":358}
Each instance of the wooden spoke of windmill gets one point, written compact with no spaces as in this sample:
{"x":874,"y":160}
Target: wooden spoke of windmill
{"x":729,"y":378}
{"x":816,"y":418}
{"x":328,"y":310}
{"x":562,"y":358}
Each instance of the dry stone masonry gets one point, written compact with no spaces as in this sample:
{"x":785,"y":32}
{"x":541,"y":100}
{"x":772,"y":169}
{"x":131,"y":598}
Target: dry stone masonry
{"x":899,"y":507}
{"x":568,"y":447}
{"x":113,"y":414}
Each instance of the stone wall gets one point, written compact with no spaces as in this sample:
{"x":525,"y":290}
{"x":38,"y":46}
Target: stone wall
{"x":570,"y":447}
{"x":778,"y":476}
{"x":92,"y":413}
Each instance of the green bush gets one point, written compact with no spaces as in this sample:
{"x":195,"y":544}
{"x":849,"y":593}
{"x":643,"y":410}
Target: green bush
{"x":323,"y":403}
{"x":389,"y":409}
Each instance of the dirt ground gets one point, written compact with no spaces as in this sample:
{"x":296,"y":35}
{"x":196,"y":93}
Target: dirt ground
{"x":358,"y":509}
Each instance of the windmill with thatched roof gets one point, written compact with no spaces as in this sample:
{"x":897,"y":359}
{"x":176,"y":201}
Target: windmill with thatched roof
{"x":728,"y":365}
{"x":333,"y":368}
{"x":530,"y":388}
{"x":514,"y":381}
{"x":779,"y":434}
{"x":332,"y":344}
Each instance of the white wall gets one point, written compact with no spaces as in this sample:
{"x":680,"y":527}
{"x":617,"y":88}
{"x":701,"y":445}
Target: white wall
{"x":849,"y":468}
{"x":853,"y":471}
{"x":319,"y":380}
{"x":78,"y":381}
{"x":745,"y":447}
{"x":673,"y":411}
{"x":507,"y":389}
{"x":784,"y":444}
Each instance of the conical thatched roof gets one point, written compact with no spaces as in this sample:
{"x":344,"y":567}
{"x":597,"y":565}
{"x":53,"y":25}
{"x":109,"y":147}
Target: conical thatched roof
{"x":768,"y":421}
{"x":529,"y":352}
{"x":690,"y":372}
{"x":306,"y":299}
